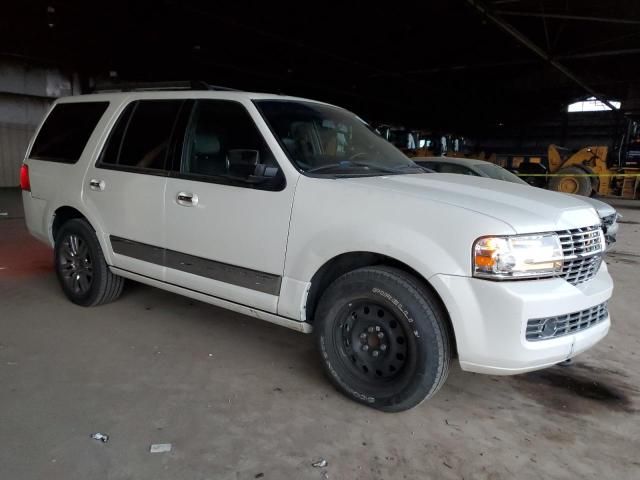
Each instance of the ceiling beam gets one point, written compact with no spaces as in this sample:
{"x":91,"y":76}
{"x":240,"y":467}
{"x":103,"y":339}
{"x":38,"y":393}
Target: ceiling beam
{"x":507,"y":27}
{"x":563,"y":16}
{"x":602,"y":53}
{"x":513,"y":63}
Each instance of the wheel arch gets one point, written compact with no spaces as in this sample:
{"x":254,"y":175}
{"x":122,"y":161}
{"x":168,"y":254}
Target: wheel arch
{"x":347,"y":262}
{"x":62,"y":215}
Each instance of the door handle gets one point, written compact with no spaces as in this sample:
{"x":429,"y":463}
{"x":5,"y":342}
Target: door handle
{"x":97,"y":185}
{"x":187,"y":199}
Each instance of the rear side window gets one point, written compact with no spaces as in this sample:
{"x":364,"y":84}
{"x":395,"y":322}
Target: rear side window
{"x":453,"y":168}
{"x":142,"y":135}
{"x":431,"y":165}
{"x":66,"y":131}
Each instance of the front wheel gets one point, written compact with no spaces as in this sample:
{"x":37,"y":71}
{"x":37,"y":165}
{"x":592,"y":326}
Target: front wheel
{"x":572,"y":180}
{"x":80,"y":266}
{"x":383,"y":338}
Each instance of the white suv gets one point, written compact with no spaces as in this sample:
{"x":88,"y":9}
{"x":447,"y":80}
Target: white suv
{"x":295,"y":212}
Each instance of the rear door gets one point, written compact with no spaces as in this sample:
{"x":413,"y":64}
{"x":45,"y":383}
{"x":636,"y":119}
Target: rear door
{"x":226,"y":234}
{"x":125,"y":188}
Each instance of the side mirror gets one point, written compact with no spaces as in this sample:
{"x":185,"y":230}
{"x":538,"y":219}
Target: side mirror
{"x":245,"y":165}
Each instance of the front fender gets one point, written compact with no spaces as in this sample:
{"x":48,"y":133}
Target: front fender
{"x":331,"y":217}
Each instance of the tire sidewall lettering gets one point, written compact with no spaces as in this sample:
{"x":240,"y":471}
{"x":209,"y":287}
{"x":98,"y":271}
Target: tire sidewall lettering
{"x":399,"y":306}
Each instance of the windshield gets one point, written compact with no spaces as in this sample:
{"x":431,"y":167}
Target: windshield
{"x":324,"y":140}
{"x":499,"y":173}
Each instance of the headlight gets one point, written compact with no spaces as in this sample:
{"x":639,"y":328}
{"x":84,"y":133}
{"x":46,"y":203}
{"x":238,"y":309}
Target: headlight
{"x":519,"y":256}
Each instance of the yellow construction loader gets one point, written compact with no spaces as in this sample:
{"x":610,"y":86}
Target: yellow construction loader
{"x":589,"y":171}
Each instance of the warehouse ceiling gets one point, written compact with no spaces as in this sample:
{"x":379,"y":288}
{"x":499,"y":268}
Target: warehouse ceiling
{"x":458,"y":64}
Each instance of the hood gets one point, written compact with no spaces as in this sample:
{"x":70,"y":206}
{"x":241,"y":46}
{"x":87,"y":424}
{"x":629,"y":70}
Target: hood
{"x":525,"y":209}
{"x":603,"y":209}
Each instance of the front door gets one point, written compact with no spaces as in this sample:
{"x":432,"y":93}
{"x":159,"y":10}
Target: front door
{"x":226,"y":230}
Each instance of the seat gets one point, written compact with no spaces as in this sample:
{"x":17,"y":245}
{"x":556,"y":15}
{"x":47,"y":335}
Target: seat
{"x":207,"y":157}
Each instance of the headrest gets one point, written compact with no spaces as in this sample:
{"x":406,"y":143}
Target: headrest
{"x":206,"y":143}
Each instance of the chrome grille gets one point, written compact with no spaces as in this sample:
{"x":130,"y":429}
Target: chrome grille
{"x":582,"y":249}
{"x":553,"y":327}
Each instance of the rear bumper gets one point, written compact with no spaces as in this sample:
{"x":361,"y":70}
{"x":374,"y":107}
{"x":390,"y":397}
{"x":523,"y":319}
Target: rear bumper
{"x":490,"y":320}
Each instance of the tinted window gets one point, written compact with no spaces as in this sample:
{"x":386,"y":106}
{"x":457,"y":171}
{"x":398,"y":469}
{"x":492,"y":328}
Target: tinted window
{"x":141,"y":137}
{"x":499,"y":173}
{"x":430,"y":165}
{"x":147,"y":136}
{"x":112,"y":150}
{"x":453,"y":168}
{"x":224,"y":143}
{"x":66,"y":131}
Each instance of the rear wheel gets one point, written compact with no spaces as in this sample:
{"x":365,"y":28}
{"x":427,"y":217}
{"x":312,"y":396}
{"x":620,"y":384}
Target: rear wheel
{"x":572,"y":180}
{"x":80,"y":266}
{"x":383,"y":338}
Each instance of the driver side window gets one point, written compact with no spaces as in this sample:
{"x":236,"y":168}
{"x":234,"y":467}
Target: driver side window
{"x":223,"y":145}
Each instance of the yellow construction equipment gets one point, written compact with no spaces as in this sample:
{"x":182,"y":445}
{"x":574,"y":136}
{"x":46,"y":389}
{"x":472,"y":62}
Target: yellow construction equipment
{"x":587,"y":171}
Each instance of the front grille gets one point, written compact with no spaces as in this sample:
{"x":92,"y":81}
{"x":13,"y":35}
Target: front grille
{"x":553,"y":327}
{"x":582,"y":249}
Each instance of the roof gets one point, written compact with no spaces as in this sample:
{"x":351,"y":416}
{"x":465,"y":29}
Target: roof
{"x":179,"y":94}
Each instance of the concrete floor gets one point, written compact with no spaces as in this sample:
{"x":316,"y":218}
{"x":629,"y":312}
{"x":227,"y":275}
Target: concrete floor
{"x":241,"y":399}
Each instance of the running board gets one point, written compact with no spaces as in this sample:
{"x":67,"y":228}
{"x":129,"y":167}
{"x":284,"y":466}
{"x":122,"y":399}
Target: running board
{"x":218,"y":302}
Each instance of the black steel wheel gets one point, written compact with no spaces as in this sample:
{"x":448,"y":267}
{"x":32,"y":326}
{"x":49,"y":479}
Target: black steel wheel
{"x":383,"y":337}
{"x":80,"y":266}
{"x":372,"y":340}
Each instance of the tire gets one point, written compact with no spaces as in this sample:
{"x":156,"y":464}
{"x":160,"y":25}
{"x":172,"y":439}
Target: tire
{"x":571,"y":180}
{"x":80,"y":266}
{"x":386,"y":310}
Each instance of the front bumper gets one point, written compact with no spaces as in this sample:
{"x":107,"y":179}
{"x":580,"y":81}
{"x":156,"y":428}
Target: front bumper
{"x":490,"y":319}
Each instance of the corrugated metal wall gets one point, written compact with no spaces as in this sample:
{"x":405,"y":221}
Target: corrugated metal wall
{"x":13,"y":143}
{"x":19,"y":117}
{"x":26,"y":91}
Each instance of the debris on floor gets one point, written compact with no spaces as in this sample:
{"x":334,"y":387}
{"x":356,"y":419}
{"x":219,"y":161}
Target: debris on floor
{"x":320,"y":463}
{"x":101,"y":437}
{"x":160,"y":448}
{"x":259,"y":475}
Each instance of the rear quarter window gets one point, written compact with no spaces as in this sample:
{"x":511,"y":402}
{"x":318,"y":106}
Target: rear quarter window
{"x":430,"y":165}
{"x":66,"y":131}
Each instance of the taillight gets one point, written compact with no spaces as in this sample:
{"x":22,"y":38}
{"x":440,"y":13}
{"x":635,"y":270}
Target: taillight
{"x":25,"y":184}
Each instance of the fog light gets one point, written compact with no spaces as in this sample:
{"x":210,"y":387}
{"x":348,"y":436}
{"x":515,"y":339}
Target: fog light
{"x":549,"y":328}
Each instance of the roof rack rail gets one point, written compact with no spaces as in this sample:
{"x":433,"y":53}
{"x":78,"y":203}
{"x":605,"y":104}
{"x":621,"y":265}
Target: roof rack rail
{"x":158,"y":86}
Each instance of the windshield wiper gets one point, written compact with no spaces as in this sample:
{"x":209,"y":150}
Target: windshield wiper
{"x":413,"y":167}
{"x":348,"y":164}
